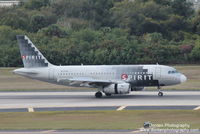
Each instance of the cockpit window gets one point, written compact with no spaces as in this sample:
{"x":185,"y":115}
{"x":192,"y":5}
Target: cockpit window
{"x":172,"y":72}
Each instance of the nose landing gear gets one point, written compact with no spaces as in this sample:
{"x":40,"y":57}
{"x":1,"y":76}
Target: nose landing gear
{"x":160,"y":93}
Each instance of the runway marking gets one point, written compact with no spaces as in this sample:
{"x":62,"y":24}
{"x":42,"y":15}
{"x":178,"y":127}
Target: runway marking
{"x":48,"y":131}
{"x":137,"y":131}
{"x":197,"y":108}
{"x":30,"y":109}
{"x":121,"y":108}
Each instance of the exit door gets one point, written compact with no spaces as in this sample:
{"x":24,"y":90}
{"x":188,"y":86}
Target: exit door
{"x":51,"y":74}
{"x":158,"y":72}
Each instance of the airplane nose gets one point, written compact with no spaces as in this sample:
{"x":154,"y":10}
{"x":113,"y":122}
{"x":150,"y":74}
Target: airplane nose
{"x":183,"y":78}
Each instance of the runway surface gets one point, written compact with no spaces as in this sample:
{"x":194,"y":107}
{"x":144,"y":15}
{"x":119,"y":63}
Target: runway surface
{"x":62,"y":101}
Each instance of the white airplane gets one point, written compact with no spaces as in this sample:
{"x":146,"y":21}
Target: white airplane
{"x":109,"y":79}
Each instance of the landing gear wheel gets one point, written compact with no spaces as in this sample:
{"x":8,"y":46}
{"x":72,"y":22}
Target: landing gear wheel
{"x":160,"y":94}
{"x":98,"y":94}
{"x":107,"y":94}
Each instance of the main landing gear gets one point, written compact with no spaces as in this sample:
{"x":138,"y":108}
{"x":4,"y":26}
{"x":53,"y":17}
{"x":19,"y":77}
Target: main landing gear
{"x":107,"y":94}
{"x":160,"y":93}
{"x":98,"y":94}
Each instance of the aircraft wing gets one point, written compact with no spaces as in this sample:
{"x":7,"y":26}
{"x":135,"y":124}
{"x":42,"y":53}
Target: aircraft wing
{"x":87,"y":81}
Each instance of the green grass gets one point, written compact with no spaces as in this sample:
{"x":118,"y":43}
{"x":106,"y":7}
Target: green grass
{"x":97,"y":119}
{"x":11,"y":82}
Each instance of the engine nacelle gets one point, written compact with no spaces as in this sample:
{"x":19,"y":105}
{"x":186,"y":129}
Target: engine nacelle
{"x":117,"y":89}
{"x":137,"y":88}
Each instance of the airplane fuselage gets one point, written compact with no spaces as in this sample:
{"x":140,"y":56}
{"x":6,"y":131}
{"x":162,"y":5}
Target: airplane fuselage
{"x":136,"y":75}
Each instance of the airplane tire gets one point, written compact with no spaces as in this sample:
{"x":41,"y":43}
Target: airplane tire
{"x":98,"y":94}
{"x":107,"y":94}
{"x":160,"y":94}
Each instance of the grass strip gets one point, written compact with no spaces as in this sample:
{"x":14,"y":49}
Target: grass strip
{"x":97,"y":119}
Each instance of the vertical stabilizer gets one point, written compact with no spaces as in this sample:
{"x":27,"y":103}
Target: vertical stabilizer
{"x":30,"y":55}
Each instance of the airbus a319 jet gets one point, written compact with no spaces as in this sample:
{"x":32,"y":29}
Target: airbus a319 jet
{"x":108,"y":79}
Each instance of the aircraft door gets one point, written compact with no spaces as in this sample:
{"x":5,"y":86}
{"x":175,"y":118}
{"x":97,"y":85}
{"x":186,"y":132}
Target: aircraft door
{"x":158,"y":72}
{"x":51,"y":74}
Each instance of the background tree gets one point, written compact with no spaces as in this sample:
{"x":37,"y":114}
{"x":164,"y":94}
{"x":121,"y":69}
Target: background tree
{"x":103,"y":31}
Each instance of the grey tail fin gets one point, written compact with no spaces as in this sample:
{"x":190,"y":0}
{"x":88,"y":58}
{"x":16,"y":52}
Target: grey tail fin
{"x":30,"y":55}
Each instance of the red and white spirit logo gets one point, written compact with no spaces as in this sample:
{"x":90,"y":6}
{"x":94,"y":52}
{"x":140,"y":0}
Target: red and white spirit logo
{"x":124,"y":76}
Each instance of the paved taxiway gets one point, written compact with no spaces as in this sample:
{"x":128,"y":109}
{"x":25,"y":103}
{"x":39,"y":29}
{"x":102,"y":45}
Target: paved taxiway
{"x":61,"y":101}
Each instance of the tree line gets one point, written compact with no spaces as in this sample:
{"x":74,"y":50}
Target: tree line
{"x":74,"y":32}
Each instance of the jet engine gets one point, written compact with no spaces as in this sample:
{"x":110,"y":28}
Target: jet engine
{"x":117,"y":89}
{"x":137,"y":88}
